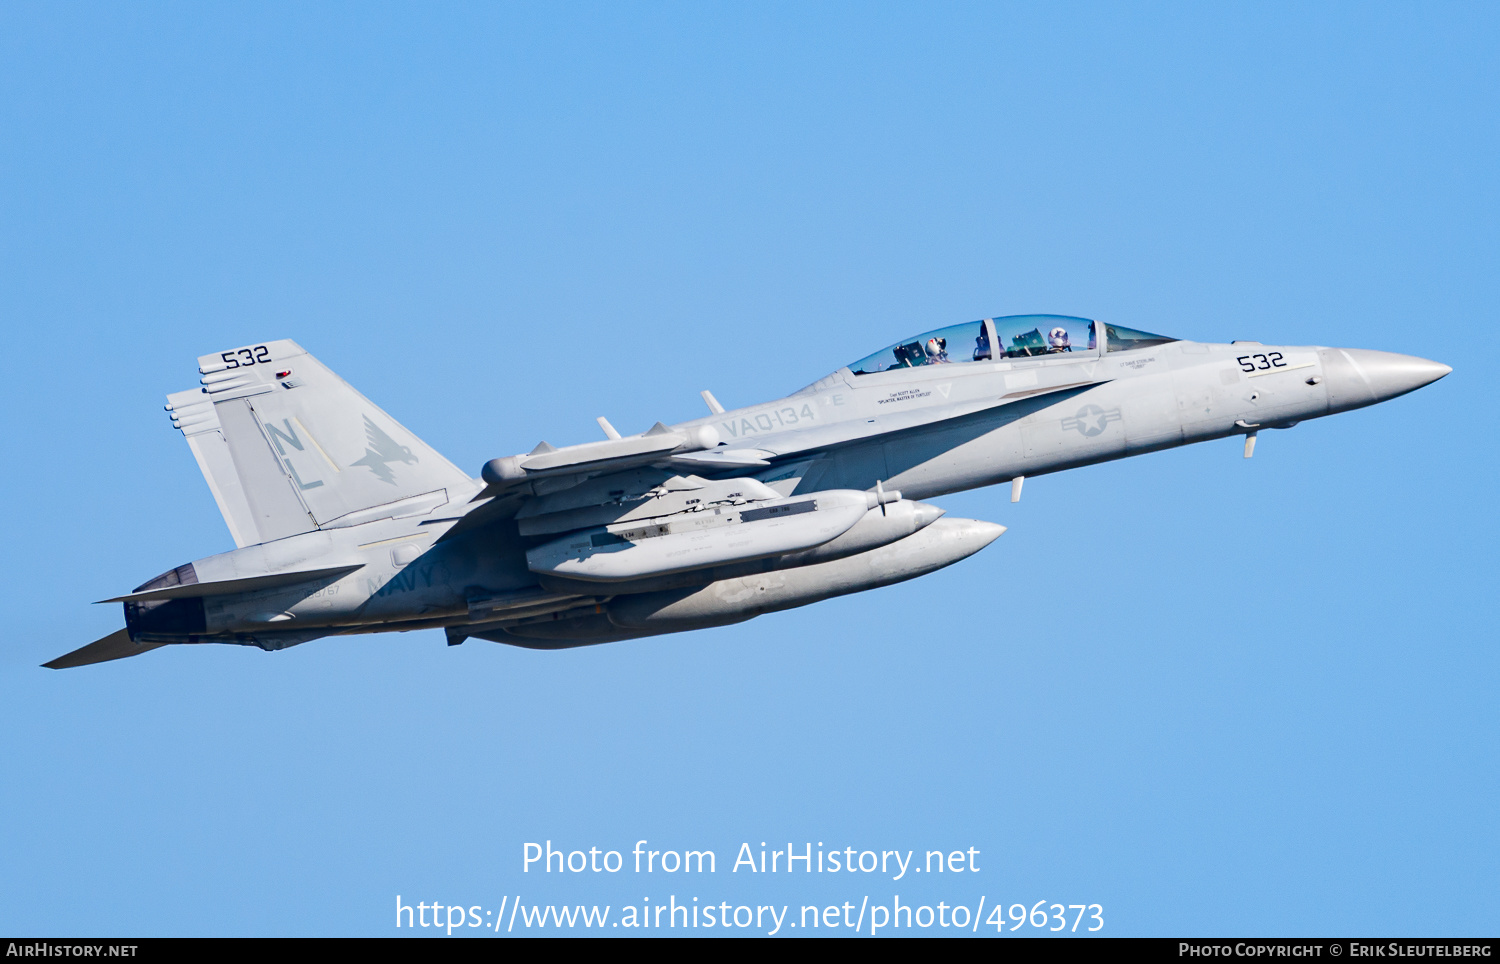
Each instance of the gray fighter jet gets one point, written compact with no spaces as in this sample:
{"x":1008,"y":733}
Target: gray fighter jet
{"x":347,"y":523}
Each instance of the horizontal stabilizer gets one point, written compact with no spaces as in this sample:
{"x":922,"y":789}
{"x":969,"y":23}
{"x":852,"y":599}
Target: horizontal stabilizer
{"x":226,"y":587}
{"x":116,"y":645}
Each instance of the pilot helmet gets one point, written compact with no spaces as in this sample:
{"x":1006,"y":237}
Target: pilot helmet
{"x":936,"y":346}
{"x":1058,"y":338}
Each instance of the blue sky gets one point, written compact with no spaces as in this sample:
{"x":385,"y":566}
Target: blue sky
{"x":1213,"y":696}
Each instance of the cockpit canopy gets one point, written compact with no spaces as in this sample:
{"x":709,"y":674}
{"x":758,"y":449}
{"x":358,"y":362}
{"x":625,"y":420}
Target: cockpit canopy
{"x":1012,"y":336}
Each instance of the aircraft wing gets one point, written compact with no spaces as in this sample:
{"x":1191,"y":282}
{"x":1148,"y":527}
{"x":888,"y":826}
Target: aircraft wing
{"x":592,"y":458}
{"x":832,"y":435}
{"x":662,"y":450}
{"x":724,"y":458}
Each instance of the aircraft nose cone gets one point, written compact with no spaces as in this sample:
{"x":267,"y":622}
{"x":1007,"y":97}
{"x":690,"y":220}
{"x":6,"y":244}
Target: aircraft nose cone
{"x":1360,"y":376}
{"x":1390,"y":374}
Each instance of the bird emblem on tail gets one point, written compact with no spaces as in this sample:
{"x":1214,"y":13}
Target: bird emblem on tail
{"x":382,"y":449}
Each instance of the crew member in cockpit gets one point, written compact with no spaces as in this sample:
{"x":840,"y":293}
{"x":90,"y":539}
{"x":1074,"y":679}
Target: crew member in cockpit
{"x":1057,"y":341}
{"x":937,"y":351}
{"x":982,"y":345}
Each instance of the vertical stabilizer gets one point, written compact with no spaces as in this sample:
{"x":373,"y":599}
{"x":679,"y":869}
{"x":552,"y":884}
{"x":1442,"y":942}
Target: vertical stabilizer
{"x":287,"y":446}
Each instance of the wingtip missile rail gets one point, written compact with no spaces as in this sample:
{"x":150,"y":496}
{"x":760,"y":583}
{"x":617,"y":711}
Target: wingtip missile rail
{"x":615,"y":453}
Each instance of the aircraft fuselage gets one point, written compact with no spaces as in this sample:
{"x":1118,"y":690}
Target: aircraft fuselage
{"x":474,"y":560}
